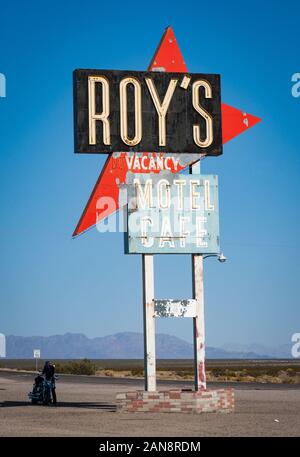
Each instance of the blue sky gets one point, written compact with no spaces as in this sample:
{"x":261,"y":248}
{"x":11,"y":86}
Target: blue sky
{"x":50,"y":283}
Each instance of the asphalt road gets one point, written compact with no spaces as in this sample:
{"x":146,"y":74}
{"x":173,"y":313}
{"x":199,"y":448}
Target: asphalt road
{"x":87,"y":408}
{"x":139,"y":382}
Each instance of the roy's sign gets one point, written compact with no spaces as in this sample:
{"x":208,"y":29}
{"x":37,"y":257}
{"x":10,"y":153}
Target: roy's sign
{"x":172,"y":214}
{"x":147,"y":111}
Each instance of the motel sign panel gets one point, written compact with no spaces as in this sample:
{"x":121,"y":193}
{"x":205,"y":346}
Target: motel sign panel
{"x":172,"y":214}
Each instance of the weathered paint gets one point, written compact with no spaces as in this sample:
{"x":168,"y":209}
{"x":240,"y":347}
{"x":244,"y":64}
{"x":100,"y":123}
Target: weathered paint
{"x":149,"y":323}
{"x":192,"y":229}
{"x":175,"y":308}
{"x":198,"y":323}
{"x":198,"y":320}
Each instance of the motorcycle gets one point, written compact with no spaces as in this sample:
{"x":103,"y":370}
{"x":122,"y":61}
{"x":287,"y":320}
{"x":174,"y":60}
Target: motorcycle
{"x":42,"y":390}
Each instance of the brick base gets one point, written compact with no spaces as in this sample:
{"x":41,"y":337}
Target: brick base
{"x":177,"y":401}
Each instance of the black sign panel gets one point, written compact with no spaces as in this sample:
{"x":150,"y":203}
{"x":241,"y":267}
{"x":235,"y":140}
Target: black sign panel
{"x":118,"y":111}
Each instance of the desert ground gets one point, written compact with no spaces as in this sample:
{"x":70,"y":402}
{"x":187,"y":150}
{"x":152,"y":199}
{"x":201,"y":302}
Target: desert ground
{"x":87,"y":408}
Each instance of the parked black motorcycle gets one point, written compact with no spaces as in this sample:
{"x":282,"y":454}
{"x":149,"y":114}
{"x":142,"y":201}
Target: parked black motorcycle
{"x":42,"y":389}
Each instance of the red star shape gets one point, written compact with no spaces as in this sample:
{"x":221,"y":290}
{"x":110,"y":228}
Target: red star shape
{"x":167,"y":57}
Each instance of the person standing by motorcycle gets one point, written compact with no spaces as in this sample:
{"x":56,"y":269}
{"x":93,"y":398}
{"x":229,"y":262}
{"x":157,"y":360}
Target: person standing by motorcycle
{"x":49,"y":372}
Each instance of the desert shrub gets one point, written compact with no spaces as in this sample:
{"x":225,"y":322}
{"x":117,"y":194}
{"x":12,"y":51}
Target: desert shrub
{"x":83,"y":367}
{"x":137,"y":372}
{"x":184,"y":373}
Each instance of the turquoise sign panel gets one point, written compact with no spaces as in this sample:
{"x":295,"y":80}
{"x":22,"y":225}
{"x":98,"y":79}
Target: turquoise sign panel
{"x":172,"y":214}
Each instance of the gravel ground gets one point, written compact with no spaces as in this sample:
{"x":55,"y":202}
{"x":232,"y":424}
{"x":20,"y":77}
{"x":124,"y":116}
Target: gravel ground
{"x":88,"y":409}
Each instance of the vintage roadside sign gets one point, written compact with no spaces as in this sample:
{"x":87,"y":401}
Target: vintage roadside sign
{"x":147,"y":111}
{"x":154,"y":125}
{"x":167,"y":58}
{"x":172,"y":214}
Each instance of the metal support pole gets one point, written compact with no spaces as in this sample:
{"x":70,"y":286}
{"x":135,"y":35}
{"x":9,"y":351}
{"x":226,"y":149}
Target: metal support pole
{"x":198,"y":321}
{"x":149,"y":323}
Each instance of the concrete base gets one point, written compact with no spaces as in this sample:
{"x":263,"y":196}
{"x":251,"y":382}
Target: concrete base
{"x":177,"y":401}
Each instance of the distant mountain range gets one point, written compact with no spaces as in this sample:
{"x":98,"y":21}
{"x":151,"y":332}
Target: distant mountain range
{"x":128,"y":345}
{"x":282,"y":351}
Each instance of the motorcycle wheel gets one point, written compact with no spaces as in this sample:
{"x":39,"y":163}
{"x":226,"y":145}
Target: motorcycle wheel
{"x":46,"y":399}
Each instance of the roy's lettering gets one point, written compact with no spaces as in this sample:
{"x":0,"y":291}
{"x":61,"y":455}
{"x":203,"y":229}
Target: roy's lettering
{"x":147,"y":111}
